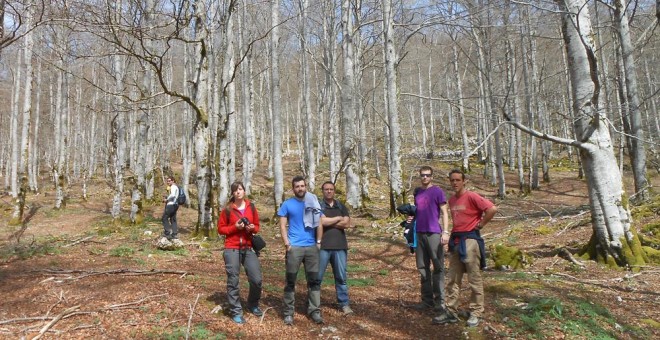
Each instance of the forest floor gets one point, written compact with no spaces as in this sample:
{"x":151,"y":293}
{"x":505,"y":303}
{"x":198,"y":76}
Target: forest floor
{"x":70,"y":274}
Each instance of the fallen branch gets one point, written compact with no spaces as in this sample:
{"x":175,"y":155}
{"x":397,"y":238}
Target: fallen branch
{"x":192,"y":311}
{"x":123,"y":272}
{"x":55,"y":320}
{"x":570,"y":257}
{"x":78,"y":241}
{"x":123,"y":305}
{"x":28,"y":319}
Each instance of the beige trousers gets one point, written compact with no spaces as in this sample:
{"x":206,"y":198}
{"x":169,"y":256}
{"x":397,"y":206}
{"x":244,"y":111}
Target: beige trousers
{"x":475,"y":280}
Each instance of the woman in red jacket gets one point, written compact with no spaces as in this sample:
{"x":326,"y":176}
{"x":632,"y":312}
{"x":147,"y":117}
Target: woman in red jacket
{"x":238,"y":222}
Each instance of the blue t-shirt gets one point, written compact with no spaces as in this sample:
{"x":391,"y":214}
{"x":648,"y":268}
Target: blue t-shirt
{"x":428,"y":202}
{"x":299,"y":236}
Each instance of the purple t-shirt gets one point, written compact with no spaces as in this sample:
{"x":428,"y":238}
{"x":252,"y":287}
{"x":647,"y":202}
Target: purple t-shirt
{"x":428,"y":202}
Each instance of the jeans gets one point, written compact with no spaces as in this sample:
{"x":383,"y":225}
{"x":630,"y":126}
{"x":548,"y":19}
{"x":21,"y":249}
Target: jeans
{"x":337,"y":259}
{"x":169,"y":221}
{"x":234,"y":258}
{"x":309,"y":257}
{"x":429,"y":251}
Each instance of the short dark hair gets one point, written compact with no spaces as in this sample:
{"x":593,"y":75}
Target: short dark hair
{"x":425,"y":168}
{"x":297,"y":179}
{"x":172,"y":178}
{"x":456,"y":171}
{"x":326,"y":182}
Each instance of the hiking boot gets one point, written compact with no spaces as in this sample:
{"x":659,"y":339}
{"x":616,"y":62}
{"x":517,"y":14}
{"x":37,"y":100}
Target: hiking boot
{"x":473,"y":321}
{"x":288,"y":320}
{"x":346,"y":310}
{"x":238,"y":319}
{"x":316,"y":317}
{"x":256,"y":311}
{"x":445,"y":318}
{"x":421,"y":306}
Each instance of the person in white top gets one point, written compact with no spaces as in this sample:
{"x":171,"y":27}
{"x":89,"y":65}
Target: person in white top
{"x":171,"y":206}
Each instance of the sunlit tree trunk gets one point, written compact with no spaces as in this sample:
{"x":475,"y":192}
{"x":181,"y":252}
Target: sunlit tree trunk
{"x":612,"y":240}
{"x":22,"y":188}
{"x":634,"y":128}
{"x":33,"y":164}
{"x":278,"y":173}
{"x":392,"y":108}
{"x":249,"y":154}
{"x":202,"y":133}
{"x":118,"y":127}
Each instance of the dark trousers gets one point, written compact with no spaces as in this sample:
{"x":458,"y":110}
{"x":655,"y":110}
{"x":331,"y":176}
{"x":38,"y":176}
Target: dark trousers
{"x":169,"y":221}
{"x":429,"y":251}
{"x":309,"y":257}
{"x":234,"y":258}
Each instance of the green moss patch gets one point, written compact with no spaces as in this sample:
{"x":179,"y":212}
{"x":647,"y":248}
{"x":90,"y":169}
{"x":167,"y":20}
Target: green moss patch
{"x":509,"y":258}
{"x":652,"y":254}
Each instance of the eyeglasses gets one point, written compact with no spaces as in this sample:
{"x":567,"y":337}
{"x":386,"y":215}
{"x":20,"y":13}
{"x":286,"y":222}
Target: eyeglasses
{"x":425,"y":175}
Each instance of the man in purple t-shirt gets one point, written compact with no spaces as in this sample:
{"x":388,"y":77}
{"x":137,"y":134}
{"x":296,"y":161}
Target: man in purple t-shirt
{"x":431,"y":204}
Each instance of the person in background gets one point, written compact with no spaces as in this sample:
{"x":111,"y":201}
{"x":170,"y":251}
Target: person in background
{"x":238,"y":222}
{"x":170,"y":228}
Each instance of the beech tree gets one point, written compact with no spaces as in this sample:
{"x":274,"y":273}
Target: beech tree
{"x":613,"y":241}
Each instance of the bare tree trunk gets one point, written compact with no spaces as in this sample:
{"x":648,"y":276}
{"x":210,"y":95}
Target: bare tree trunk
{"x":17,"y":216}
{"x":15,"y":132}
{"x":308,"y":129}
{"x":278,"y":173}
{"x":634,"y":129}
{"x":33,"y":166}
{"x":118,"y":128}
{"x":61,"y":141}
{"x":461,"y":110}
{"x":202,"y":133}
{"x":348,"y":107}
{"x":612,"y":241}
{"x":528,"y":83}
{"x":422,"y":119}
{"x":249,"y":154}
{"x":395,"y":175}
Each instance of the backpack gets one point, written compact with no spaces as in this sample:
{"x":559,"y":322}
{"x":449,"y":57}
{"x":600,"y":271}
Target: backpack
{"x":181,"y":199}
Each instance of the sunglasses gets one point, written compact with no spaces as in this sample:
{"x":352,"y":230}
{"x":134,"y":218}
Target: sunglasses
{"x":425,"y":175}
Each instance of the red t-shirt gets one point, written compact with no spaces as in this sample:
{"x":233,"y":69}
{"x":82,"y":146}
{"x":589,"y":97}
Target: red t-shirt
{"x":467,"y":210}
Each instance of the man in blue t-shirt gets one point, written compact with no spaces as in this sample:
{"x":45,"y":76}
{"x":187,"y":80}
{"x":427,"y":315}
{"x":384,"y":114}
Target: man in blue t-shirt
{"x":431,"y":204}
{"x":302,"y":245}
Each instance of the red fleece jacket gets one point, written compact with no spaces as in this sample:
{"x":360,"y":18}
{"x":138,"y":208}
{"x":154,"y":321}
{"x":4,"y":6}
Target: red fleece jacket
{"x":238,"y":238}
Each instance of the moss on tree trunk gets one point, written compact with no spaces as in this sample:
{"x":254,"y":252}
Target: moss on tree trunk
{"x":631,"y":254}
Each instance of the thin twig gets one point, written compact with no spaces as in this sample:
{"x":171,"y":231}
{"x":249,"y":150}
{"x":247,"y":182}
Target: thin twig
{"x":192,"y":311}
{"x":261,"y":320}
{"x":79,"y":241}
{"x":119,"y":306}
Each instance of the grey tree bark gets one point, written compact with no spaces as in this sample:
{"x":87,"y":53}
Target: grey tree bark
{"x":307,"y":130}
{"x":634,"y":127}
{"x":278,"y":173}
{"x":392,"y":109}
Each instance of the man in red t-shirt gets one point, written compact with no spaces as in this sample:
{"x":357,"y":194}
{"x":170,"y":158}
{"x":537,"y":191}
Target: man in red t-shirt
{"x":469,"y":213}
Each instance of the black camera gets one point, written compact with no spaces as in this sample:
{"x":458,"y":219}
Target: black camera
{"x":245,"y":221}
